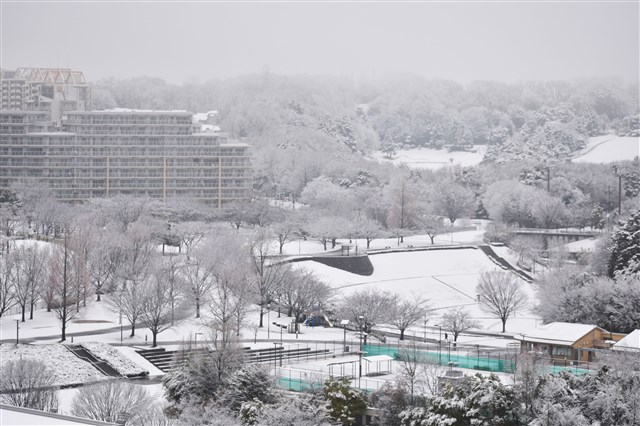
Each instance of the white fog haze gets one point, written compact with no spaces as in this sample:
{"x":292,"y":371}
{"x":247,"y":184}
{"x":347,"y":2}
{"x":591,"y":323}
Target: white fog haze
{"x":319,"y":213}
{"x":180,"y":42}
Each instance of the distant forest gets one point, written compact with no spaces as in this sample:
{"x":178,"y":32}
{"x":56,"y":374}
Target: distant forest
{"x":306,"y":128}
{"x":323,"y":113}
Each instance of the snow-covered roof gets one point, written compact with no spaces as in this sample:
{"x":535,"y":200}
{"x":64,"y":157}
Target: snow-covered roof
{"x":377,"y":358}
{"x":203,"y":116}
{"x":557,"y":333}
{"x":630,"y":342}
{"x":210,"y":128}
{"x":132,"y":111}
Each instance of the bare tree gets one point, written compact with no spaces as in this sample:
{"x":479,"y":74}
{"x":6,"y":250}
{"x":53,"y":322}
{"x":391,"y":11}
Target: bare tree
{"x":27,"y":272}
{"x":191,"y":233}
{"x":432,"y":225}
{"x":367,"y":308}
{"x":104,"y":259}
{"x":28,"y":383}
{"x":230,"y":295}
{"x":500,"y":294}
{"x":159,"y":305}
{"x":135,"y":268}
{"x":109,"y":400}
{"x":368,"y":229}
{"x":411,"y":359}
{"x":267,"y":277}
{"x":406,"y":312}
{"x":198,"y":276}
{"x":6,"y":285}
{"x":302,"y":292}
{"x":285,"y":227}
{"x":62,"y":281}
{"x":458,"y":321}
{"x":170,"y":269}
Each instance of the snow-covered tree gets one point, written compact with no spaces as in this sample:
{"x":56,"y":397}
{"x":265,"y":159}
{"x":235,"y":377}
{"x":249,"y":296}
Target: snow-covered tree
{"x":252,"y":382}
{"x":625,"y":247}
{"x":29,"y":384}
{"x":453,"y":200}
{"x":108,"y":401}
{"x":344,"y":404}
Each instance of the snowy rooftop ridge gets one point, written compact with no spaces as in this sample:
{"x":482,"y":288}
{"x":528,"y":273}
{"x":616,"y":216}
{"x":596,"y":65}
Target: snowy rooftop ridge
{"x":558,"y":333}
{"x":630,"y":342}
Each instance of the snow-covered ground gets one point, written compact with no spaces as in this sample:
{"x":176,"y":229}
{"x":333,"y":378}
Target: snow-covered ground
{"x":609,"y":149}
{"x":447,"y":278}
{"x":66,"y":368}
{"x":118,"y":361}
{"x":433,"y":159}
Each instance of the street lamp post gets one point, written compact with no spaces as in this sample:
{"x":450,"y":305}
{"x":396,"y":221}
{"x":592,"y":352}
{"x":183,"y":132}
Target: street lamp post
{"x":360,"y":321}
{"x":268,"y":309}
{"x":425,"y":330}
{"x":440,"y":344}
{"x":344,"y":324}
{"x":17,"y":331}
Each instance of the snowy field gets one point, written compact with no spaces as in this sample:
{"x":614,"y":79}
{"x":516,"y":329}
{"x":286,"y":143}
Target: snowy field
{"x":609,"y":149}
{"x":447,"y":278}
{"x":433,"y":159}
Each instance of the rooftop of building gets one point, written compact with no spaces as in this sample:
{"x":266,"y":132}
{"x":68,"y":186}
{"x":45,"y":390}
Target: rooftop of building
{"x":558,"y":333}
{"x":134,"y":111}
{"x":630,"y":342}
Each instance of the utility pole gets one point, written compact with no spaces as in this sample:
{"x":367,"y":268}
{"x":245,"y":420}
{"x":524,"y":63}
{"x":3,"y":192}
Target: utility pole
{"x":619,"y":174}
{"x":548,"y":180}
{"x":17,"y":331}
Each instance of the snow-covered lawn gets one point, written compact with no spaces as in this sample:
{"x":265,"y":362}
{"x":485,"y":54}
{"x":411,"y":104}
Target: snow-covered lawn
{"x":448,"y":278}
{"x":433,"y":159}
{"x":66,"y":368}
{"x":114,"y":358}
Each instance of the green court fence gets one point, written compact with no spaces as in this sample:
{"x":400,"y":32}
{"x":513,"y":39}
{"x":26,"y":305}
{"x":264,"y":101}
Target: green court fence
{"x":498,"y":362}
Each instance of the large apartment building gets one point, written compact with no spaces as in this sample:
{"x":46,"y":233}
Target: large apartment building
{"x":90,"y":154}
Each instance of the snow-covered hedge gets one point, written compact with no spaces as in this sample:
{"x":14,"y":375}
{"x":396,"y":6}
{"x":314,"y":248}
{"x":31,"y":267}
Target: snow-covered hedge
{"x":66,"y":368}
{"x":115,"y":359}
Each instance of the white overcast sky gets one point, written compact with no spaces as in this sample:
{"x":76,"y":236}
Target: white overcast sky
{"x":507,"y":41}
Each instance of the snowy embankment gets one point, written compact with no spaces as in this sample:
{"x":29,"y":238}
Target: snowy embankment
{"x":65,"y":367}
{"x":609,"y":149}
{"x":115,"y":359}
{"x":433,"y":159}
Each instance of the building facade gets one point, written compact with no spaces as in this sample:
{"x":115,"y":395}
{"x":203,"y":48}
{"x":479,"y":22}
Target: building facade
{"x":90,"y":154}
{"x":44,"y":89}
